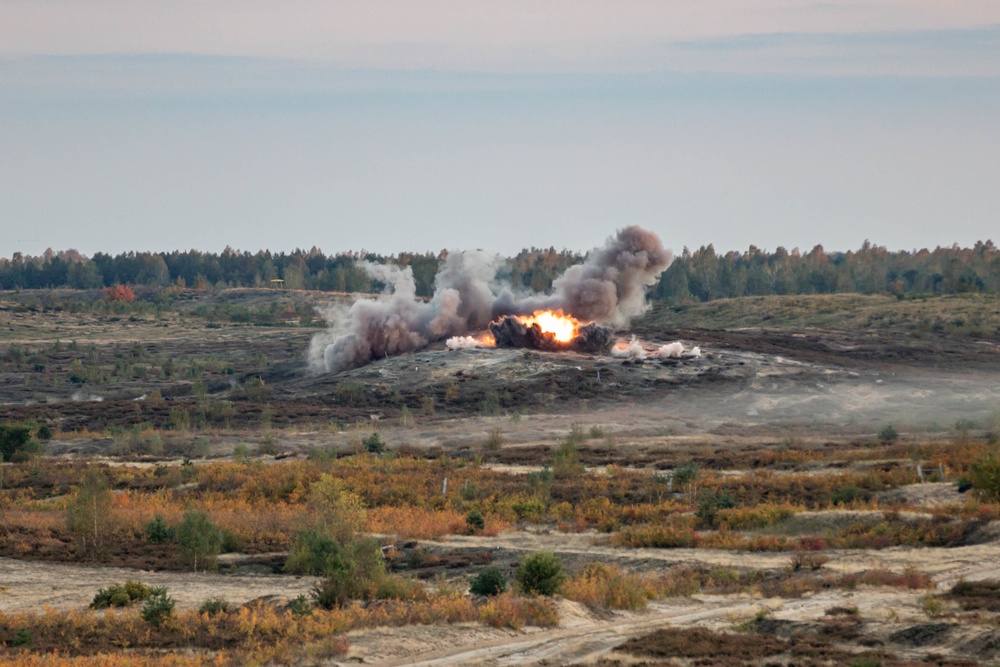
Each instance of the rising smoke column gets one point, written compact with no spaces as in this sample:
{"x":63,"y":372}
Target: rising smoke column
{"x":608,"y":287}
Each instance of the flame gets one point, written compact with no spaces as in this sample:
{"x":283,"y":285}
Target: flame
{"x":485,"y":340}
{"x":562,"y":327}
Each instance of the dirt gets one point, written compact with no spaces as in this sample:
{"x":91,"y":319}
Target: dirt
{"x":752,"y":391}
{"x":32,"y":586}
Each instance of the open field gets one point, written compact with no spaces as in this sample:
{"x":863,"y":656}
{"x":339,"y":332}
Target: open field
{"x":814,"y":488}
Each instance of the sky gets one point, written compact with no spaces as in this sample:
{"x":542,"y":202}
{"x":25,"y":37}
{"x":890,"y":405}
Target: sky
{"x":414,"y":125}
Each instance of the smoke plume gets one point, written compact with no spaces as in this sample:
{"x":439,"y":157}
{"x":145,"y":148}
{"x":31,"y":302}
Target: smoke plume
{"x":608,"y":287}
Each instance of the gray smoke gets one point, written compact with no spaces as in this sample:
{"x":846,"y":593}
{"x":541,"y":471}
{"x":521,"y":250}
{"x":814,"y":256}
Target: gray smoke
{"x":608,"y":287}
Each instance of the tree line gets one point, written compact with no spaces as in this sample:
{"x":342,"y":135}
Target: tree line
{"x":701,"y":275}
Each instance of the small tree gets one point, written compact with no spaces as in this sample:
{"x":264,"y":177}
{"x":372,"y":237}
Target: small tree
{"x":541,"y":574}
{"x":88,"y":513}
{"x":475,"y":521}
{"x":984,"y":475}
{"x":199,"y":537}
{"x":373,"y":444}
{"x":158,"y":608}
{"x":888,"y":434}
{"x":119,"y":293}
{"x":686,"y":476}
{"x":489,"y":582}
{"x":313,"y":552}
{"x":564,"y":462}
{"x":357,"y":573}
{"x":158,"y":532}
{"x":16,"y":443}
{"x":335,"y":511}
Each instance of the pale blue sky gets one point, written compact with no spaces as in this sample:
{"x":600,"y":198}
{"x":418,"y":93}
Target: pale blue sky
{"x":393,"y":125}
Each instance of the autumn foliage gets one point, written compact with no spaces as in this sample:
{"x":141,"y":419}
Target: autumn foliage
{"x":120,"y":293}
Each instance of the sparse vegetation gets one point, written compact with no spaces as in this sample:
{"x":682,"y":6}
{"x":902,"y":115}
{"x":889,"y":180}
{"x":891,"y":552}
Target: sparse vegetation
{"x":776,"y":496}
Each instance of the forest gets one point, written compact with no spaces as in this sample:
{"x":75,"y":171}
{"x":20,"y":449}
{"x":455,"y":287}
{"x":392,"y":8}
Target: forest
{"x":700,"y":275}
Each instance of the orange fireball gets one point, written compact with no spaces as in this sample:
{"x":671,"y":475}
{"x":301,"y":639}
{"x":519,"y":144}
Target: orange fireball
{"x":562,"y":327}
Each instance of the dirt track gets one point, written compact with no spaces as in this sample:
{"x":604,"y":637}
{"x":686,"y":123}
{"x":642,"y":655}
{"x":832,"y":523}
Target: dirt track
{"x":583,"y":636}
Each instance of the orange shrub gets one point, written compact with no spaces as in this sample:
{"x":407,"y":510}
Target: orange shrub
{"x":119,"y":293}
{"x":605,"y":586}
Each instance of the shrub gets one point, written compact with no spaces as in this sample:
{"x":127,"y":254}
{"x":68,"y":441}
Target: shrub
{"x":489,"y":582}
{"x":334,"y":510}
{"x":932,"y":606}
{"x":121,"y":595}
{"x":686,"y":474}
{"x":676,"y":534}
{"x":564,"y":462}
{"x":88,"y":513}
{"x":355,"y":572}
{"x":848,"y":494}
{"x":300,"y":606}
{"x":541,"y":574}
{"x":373,"y":444}
{"x":199,"y":537}
{"x":158,"y":608}
{"x":313,"y":552}
{"x":984,"y":475}
{"x":475,"y":521}
{"x":605,"y":586}
{"x":119,"y":293}
{"x":158,"y":532}
{"x":494,"y":442}
{"x":256,"y":390}
{"x":16,"y":443}
{"x":710,"y":505}
{"x":21,"y":638}
{"x":215,"y":605}
{"x":888,"y":434}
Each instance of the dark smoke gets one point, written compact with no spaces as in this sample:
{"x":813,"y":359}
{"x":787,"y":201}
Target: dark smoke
{"x":609,"y":287}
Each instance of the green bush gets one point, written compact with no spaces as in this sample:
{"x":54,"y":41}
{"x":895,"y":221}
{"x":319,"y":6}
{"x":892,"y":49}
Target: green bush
{"x":355,"y":572}
{"x":984,"y":476}
{"x":121,"y":595}
{"x":846,"y":495}
{"x":686,"y":474}
{"x":16,"y":443}
{"x":158,"y":608}
{"x":888,"y":434}
{"x":300,"y":606}
{"x":215,"y":605}
{"x":541,"y":573}
{"x":199,"y":537}
{"x":564,"y":462}
{"x":710,"y":505}
{"x":489,"y":582}
{"x":21,"y":638}
{"x":475,"y":521}
{"x":373,"y":444}
{"x":158,"y":532}
{"x":313,"y":553}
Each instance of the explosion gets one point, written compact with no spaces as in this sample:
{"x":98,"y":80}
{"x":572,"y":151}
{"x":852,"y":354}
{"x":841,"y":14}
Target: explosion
{"x":562,"y":327}
{"x":607,"y":288}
